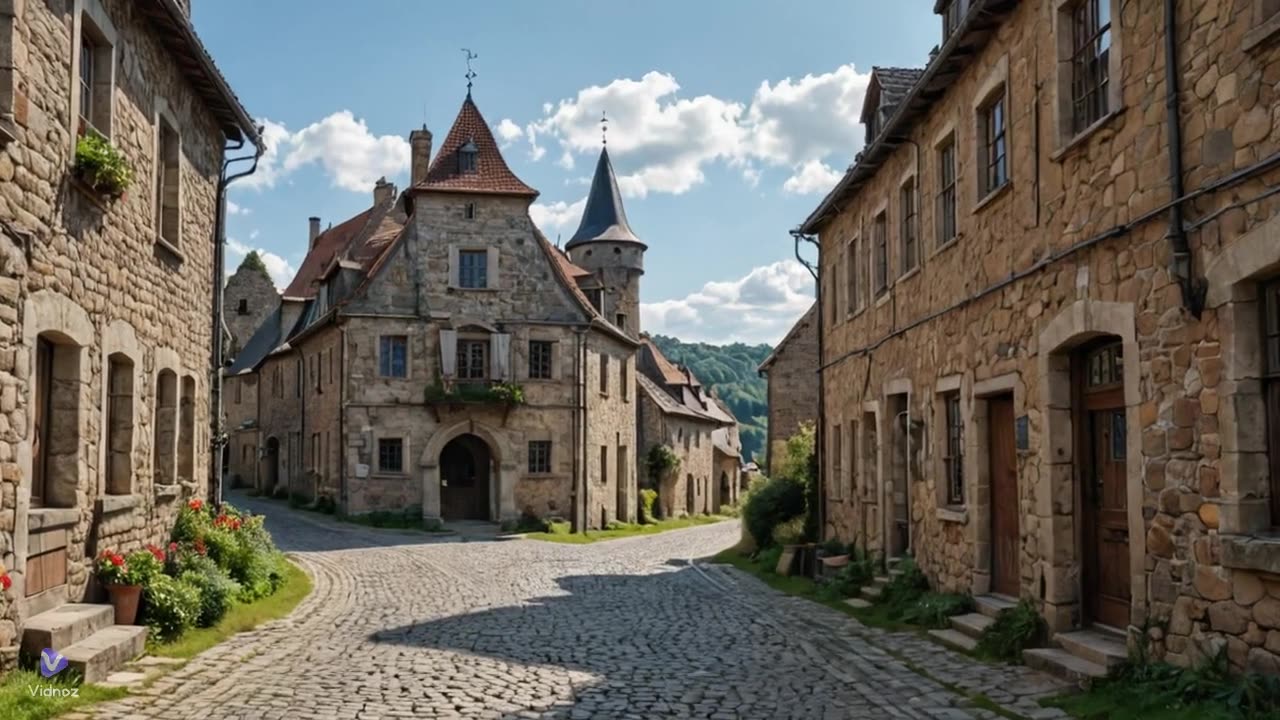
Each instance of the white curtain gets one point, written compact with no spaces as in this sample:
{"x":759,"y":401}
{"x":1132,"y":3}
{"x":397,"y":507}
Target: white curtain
{"x":500,"y":356}
{"x":448,"y":353}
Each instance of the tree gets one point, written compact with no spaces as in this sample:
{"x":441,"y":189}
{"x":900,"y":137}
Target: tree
{"x":253,"y":261}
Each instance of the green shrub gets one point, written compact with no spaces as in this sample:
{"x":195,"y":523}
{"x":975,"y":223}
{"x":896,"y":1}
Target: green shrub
{"x":143,"y":565}
{"x":559,"y":527}
{"x":790,"y":532}
{"x":729,"y":511}
{"x":530,"y":523}
{"x":170,"y":606}
{"x":192,"y":523}
{"x":771,"y":503}
{"x":833,"y":548}
{"x":905,"y":587}
{"x":217,"y":592}
{"x":768,"y":557}
{"x":101,"y":165}
{"x":851,"y":578}
{"x":934,"y":610}
{"x":1014,"y":630}
{"x":661,"y":462}
{"x":648,"y":497}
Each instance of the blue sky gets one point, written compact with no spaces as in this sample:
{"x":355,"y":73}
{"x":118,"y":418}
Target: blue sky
{"x":729,"y":120}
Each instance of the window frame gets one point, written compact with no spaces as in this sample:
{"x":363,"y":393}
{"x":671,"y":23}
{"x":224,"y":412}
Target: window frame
{"x":385,"y":446}
{"x":946,"y":202}
{"x":604,"y":374}
{"x":539,"y":457}
{"x":1269,"y":324}
{"x":96,"y":36}
{"x":852,"y":300}
{"x":909,"y":226}
{"x":880,"y":249}
{"x":1090,"y":67}
{"x":467,"y":371}
{"x":473,"y":269}
{"x":952,"y":454}
{"x":993,"y":165}
{"x":541,"y":359}
{"x":166,"y":177}
{"x":387,"y":347}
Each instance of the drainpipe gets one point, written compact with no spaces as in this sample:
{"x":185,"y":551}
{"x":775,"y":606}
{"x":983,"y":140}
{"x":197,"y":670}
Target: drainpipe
{"x":342,"y":420}
{"x":820,"y":434}
{"x":1181,"y":265}
{"x":579,"y":432}
{"x":216,"y":360}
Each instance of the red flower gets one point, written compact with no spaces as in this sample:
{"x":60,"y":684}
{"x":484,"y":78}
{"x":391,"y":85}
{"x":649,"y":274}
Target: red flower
{"x":173,"y":547}
{"x":200,"y":545}
{"x":5,"y":582}
{"x":117,"y":560}
{"x":196,"y":504}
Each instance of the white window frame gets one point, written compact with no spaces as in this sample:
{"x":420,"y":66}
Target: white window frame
{"x":90,"y":18}
{"x":164,"y":116}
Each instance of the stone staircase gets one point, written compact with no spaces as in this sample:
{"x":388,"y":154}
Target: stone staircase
{"x":1080,"y":655}
{"x":872,"y":592}
{"x":87,"y":636}
{"x":965,"y":629}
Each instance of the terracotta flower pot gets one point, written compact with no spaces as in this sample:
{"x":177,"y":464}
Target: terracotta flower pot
{"x":835,"y":561}
{"x":124,"y":598}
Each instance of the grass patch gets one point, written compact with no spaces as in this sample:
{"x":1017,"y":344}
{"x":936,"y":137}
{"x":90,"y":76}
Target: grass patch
{"x":18,"y":703}
{"x":241,"y":617}
{"x":559,"y":531}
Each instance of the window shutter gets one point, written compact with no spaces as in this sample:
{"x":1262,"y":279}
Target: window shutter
{"x":491,"y":271}
{"x":448,"y":353}
{"x":500,"y":356}
{"x":453,"y":266}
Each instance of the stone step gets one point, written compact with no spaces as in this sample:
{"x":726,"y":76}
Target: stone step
{"x":892,"y":562}
{"x":857,"y":603}
{"x":64,"y":626}
{"x":954,"y":639}
{"x":105,"y":651}
{"x":880,"y":580}
{"x":991,"y":605}
{"x":872,"y":592}
{"x":1060,"y":663}
{"x":895,"y":572}
{"x":1097,"y":646}
{"x":971,"y":624}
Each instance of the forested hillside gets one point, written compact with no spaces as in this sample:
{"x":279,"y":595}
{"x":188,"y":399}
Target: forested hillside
{"x":730,"y":370}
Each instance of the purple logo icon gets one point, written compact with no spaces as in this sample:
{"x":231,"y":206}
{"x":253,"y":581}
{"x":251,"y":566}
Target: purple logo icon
{"x":52,"y":662}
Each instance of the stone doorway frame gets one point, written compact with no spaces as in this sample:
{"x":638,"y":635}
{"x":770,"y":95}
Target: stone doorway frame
{"x":502,"y":496}
{"x":1057,"y":493}
{"x":977,"y":467}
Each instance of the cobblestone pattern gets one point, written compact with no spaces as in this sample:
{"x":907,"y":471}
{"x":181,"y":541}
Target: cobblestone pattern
{"x":401,"y":626}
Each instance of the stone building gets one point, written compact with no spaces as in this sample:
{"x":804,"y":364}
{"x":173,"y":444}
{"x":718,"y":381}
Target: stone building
{"x":677,"y":412}
{"x":106,"y":297}
{"x":249,"y":298}
{"x":1050,"y":321}
{"x":792,"y":373}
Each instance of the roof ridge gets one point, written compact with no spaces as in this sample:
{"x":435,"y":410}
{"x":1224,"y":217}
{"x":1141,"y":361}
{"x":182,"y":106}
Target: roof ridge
{"x":491,"y":173}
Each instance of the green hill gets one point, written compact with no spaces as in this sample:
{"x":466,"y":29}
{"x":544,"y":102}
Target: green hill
{"x":730,"y":370}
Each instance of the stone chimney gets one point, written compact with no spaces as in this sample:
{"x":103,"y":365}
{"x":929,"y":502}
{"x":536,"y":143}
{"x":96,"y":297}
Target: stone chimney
{"x":314,"y":232}
{"x":420,"y":154}
{"x":383,"y":192}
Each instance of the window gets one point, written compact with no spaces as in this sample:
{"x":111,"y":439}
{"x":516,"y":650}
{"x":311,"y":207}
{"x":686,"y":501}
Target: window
{"x":1104,"y":367}
{"x":620,"y":320}
{"x":910,"y":242}
{"x":94,"y":80}
{"x":881,"y":232}
{"x":467,"y":155}
{"x":953,"y":455}
{"x":393,"y":356}
{"x":540,"y":359}
{"x":242,"y":307}
{"x":851,"y":277}
{"x":946,"y":200}
{"x":540,"y":456}
{"x":1271,"y":387}
{"x":239,"y":385}
{"x":604,"y":374}
{"x":187,"y":430}
{"x":297,"y":377}
{"x":995,"y":159}
{"x":596,"y":298}
{"x":56,"y":441}
{"x":469,"y":212}
{"x":604,"y":464}
{"x":1090,"y":62}
{"x":473,"y":359}
{"x":473,"y":269}
{"x":119,"y":424}
{"x":952,"y":13}
{"x":165,"y":423}
{"x":624,"y":377}
{"x":390,"y":455}
{"x":837,"y":464}
{"x":168,"y":219}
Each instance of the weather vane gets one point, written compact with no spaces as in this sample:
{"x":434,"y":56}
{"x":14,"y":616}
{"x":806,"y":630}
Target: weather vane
{"x":471,"y":74}
{"x":604,"y":129}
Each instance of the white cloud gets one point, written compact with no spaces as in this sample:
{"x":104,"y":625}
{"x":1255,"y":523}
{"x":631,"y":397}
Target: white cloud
{"x":253,"y":234}
{"x":234,"y":208}
{"x":662,"y":142}
{"x":278,"y":268}
{"x":812,"y":177}
{"x":554,"y":217}
{"x":759,"y":307}
{"x":352,"y":156}
{"x":508,"y":131}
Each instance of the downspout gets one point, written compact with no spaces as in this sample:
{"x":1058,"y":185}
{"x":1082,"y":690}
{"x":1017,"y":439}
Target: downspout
{"x":216,"y":360}
{"x":342,"y":419}
{"x":820,"y":434}
{"x":1182,"y":263}
{"x":579,"y":431}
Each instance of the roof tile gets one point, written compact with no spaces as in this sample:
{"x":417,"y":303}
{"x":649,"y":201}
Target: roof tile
{"x":491,"y":175}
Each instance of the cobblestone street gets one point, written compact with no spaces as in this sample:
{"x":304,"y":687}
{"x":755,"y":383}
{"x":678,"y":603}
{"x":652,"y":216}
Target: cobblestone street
{"x":402,"y":626}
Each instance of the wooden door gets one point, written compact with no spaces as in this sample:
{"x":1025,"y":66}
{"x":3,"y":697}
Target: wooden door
{"x":1105,"y":516}
{"x":1005,"y":504}
{"x":40,"y":430}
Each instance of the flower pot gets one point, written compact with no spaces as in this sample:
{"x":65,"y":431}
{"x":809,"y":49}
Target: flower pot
{"x":835,"y":561}
{"x":124,"y":598}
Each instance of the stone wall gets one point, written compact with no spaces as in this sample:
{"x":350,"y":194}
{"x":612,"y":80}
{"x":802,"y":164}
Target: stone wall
{"x":1003,"y":307}
{"x":611,"y":432}
{"x":280,"y":388}
{"x":792,"y":373}
{"x":690,"y":439}
{"x":91,"y":274}
{"x":249,"y":297}
{"x":240,"y":403}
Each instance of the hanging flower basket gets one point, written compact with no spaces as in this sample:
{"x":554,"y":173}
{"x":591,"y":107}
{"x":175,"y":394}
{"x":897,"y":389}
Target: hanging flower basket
{"x":100,"y":167}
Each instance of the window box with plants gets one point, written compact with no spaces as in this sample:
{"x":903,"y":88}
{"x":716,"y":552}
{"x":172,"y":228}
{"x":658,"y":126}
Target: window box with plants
{"x":505,"y":395}
{"x":101,"y":168}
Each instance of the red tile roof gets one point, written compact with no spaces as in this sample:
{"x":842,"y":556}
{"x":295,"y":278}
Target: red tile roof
{"x":491,"y":175}
{"x":330,"y":244}
{"x":671,"y":374}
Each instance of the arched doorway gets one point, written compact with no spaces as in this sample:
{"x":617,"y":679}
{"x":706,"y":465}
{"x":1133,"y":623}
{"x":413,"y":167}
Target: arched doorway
{"x":272,"y":475}
{"x":465,"y":469}
{"x":726,"y":493}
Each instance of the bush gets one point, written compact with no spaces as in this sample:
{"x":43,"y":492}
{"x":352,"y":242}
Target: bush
{"x":729,"y":511}
{"x":170,"y":606}
{"x":905,"y":588}
{"x":833,"y":548}
{"x":851,"y":578}
{"x":1014,"y":630}
{"x":530,"y":523}
{"x":768,"y":557}
{"x":143,"y":566}
{"x":559,"y":527}
{"x":648,"y":497}
{"x":217,"y":592}
{"x":193,"y":522}
{"x":790,"y":532}
{"x":769,"y":504}
{"x":934,"y":610}
{"x":661,"y":462}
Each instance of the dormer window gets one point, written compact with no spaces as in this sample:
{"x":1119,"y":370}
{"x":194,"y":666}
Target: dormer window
{"x":952,"y":13}
{"x":467,"y":157}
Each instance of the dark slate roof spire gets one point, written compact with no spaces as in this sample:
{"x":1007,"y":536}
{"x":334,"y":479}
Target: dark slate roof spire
{"x":603,"y":219}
